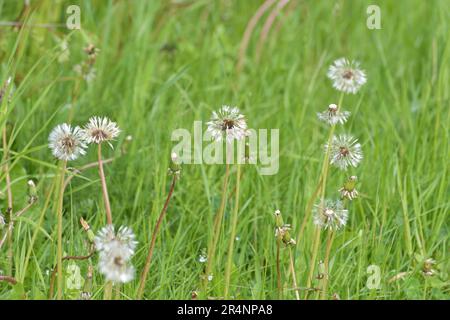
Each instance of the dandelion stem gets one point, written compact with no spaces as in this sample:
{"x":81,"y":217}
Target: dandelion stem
{"x":294,"y":278}
{"x":323,"y":184}
{"x":148,"y":261}
{"x":217,"y":227}
{"x":233,"y":233}
{"x":280,"y":290}
{"x":107,"y":294}
{"x":330,"y":239}
{"x":104,"y":187}
{"x":312,"y":264}
{"x":59,"y":213}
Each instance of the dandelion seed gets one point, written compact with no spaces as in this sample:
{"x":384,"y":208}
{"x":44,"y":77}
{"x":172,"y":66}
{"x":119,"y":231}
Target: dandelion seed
{"x":344,"y":151}
{"x":330,"y":215}
{"x":116,"y":250}
{"x":99,"y":130}
{"x":67,"y":142}
{"x":332,"y":116}
{"x":228,"y":123}
{"x":346,"y":75}
{"x":348,"y":190}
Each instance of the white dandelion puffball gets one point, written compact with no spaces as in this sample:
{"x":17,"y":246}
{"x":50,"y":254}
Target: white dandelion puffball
{"x":346,"y":75}
{"x":330,"y":214}
{"x":67,"y":142}
{"x":99,"y":129}
{"x":115,"y":252}
{"x":333,"y":115}
{"x":344,"y":151}
{"x":227,"y":123}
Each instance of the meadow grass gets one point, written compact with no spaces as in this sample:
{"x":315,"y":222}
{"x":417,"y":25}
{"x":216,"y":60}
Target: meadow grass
{"x":165,"y":64}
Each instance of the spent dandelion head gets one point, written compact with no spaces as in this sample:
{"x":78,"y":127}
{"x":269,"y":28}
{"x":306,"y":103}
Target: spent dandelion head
{"x":346,"y":75}
{"x":282,"y":231}
{"x":427,"y":269}
{"x":333,"y":116}
{"x":348,"y":190}
{"x":227,"y":123}
{"x":115,"y":251}
{"x":100,"y":129}
{"x":329,"y":214}
{"x":344,"y":151}
{"x":67,"y":142}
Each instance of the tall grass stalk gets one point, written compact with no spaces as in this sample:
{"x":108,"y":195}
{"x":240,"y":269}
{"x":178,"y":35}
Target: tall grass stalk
{"x":234,"y":220}
{"x":216,"y":229}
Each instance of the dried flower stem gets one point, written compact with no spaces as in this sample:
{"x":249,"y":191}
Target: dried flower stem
{"x":9,"y":279}
{"x":148,"y":261}
{"x":59,"y":214}
{"x":294,"y":278}
{"x":104,"y":187}
{"x":234,"y":220}
{"x":216,"y":228}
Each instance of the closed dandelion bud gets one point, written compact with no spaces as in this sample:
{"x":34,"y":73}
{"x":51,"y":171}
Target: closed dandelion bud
{"x":282,"y":230}
{"x":348,"y":190}
{"x":278,"y":219}
{"x":32,"y":192}
{"x":175,"y":167}
{"x":87,"y":228}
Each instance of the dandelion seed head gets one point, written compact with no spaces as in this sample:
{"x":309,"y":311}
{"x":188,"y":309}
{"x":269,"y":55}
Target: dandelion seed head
{"x":344,"y":151}
{"x":330,"y":214}
{"x":115,"y":251}
{"x":346,"y":75}
{"x":67,"y":142}
{"x":227,"y":123}
{"x":333,"y":116}
{"x":100,"y":129}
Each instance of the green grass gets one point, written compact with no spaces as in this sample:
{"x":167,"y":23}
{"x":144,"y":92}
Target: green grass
{"x":163,"y":65}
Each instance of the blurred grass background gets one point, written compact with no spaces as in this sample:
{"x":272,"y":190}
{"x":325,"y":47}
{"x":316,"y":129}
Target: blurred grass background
{"x":164,"y":64}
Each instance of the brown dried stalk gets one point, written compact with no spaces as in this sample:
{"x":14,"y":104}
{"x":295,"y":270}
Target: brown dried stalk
{"x":153,"y":241}
{"x":249,"y":30}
